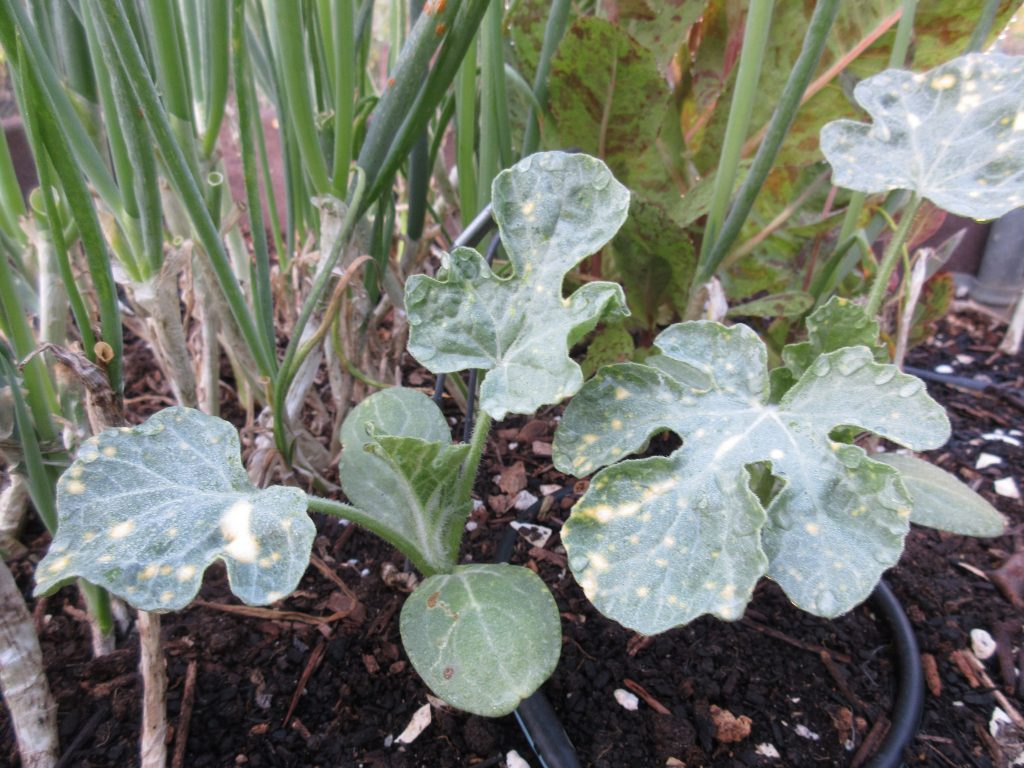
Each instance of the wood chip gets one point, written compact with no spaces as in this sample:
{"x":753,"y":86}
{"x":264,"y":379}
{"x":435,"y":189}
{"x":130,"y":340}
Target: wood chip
{"x":729,"y":729}
{"x":931,"y":674}
{"x":541,"y":448}
{"x":419,"y":722}
{"x":513,"y":479}
{"x":966,"y":669}
{"x":643,"y":693}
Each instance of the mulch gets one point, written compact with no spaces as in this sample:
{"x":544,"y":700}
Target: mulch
{"x":329,"y":685}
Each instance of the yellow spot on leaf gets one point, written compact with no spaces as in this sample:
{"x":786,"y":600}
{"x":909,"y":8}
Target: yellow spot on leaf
{"x":109,"y":451}
{"x":621,"y":393}
{"x":235,"y":526}
{"x":944,"y":82}
{"x":121,"y":530}
{"x":186,"y":572}
{"x":149,"y":572}
{"x":59,"y":565}
{"x":616,"y":424}
{"x":166,"y":570}
{"x":589,"y":439}
{"x":642,"y":591}
{"x":75,"y":487}
{"x":166,"y":597}
{"x":812,"y":528}
{"x":728,"y":592}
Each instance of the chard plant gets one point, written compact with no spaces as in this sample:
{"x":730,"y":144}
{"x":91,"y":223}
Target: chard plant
{"x":768,"y":481}
{"x":143,"y":511}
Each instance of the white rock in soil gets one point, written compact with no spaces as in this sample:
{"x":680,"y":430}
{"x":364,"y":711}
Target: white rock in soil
{"x":514,"y":760}
{"x":965,"y":359}
{"x":982,"y":644}
{"x":627,"y":700}
{"x":537,"y":535}
{"x":806,"y":733}
{"x":1002,"y":437}
{"x":767,"y":750}
{"x":999,"y":718}
{"x":471,"y":525}
{"x":420,"y":720}
{"x":1007,"y":486}
{"x":549,"y":488}
{"x":946,"y":369}
{"x":987,"y":460}
{"x":524,"y":500}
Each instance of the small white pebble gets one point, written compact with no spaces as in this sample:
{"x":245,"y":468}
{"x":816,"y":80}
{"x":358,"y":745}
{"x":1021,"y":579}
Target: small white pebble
{"x":514,"y":760}
{"x":1007,"y":486}
{"x":794,"y":699}
{"x":477,"y":505}
{"x":998,"y":720}
{"x":524,"y":500}
{"x":548,"y":488}
{"x":964,"y":359}
{"x":626,"y":699}
{"x":767,"y":750}
{"x":420,"y":720}
{"x":1016,"y":433}
{"x":982,"y":644}
{"x":513,"y":446}
{"x":365,"y":572}
{"x":806,"y":733}
{"x":987,"y":460}
{"x":946,"y":369}
{"x":1002,"y":437}
{"x":471,"y":525}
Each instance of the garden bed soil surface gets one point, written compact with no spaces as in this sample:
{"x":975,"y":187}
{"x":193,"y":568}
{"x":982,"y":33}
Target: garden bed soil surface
{"x":812,"y":692}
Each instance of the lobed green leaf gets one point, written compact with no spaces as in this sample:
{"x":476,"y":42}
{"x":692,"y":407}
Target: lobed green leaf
{"x":837,"y":518}
{"x":553,"y":209}
{"x":144,"y":510}
{"x":954,"y":135}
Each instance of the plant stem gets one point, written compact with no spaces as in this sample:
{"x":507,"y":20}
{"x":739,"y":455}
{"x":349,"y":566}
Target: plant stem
{"x":465,"y":134}
{"x":558,"y":20}
{"x":984,"y":26}
{"x":153,"y":668}
{"x":23,"y":679}
{"x":343,"y":25}
{"x":289,"y":366}
{"x":184,"y":181}
{"x":755,"y":41}
{"x":288,"y":22}
{"x":810,"y":54}
{"x":890,"y":257}
{"x":218,"y":44}
{"x":476,"y":450}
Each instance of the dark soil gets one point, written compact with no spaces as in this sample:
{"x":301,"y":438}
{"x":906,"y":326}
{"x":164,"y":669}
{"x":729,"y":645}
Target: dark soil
{"x":817,"y":692}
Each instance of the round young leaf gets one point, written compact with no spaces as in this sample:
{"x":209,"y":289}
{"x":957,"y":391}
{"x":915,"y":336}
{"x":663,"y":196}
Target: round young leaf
{"x":941,"y":501}
{"x":954,"y":135}
{"x":144,"y":510}
{"x":483,"y":637}
{"x":553,"y":210}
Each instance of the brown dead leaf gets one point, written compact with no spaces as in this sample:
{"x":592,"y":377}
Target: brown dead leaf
{"x":728,"y":728}
{"x":533,"y":430}
{"x":513,"y":479}
{"x":499,"y":504}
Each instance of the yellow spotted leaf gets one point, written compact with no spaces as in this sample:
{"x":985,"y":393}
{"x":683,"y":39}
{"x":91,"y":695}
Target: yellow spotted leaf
{"x":144,"y":510}
{"x":659,"y":541}
{"x":553,"y":210}
{"x":954,"y":135}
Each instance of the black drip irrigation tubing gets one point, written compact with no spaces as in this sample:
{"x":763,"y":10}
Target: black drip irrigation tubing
{"x":909,"y":705}
{"x":538,"y":719}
